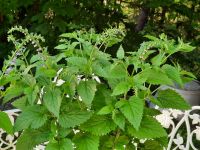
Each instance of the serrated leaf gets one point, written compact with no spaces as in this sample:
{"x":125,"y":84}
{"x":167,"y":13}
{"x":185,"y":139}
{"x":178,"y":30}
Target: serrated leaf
{"x":183,"y":72}
{"x":52,"y":100}
{"x":13,"y":92}
{"x":151,"y":112}
{"x":157,"y":60}
{"x":85,"y":141}
{"x":35,"y":58}
{"x":102,"y":97}
{"x":30,"y":138}
{"x":77,"y":61}
{"x":173,"y":74}
{"x":98,"y":125}
{"x":33,"y":117}
{"x":117,"y":71}
{"x":73,"y":118}
{"x":86,"y":90}
{"x":119,"y":119}
{"x":171,"y":99}
{"x":156,"y":76}
{"x":184,"y":47}
{"x":5,"y":123}
{"x":31,"y":94}
{"x":105,"y":110}
{"x":46,"y":73}
{"x":65,"y":144}
{"x":150,"y":128}
{"x":121,"y":88}
{"x":20,"y":103}
{"x":120,"y":52}
{"x":120,"y":103}
{"x":133,"y":110}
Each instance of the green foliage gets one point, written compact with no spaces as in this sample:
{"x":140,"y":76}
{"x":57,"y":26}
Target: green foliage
{"x":5,"y":123}
{"x":99,"y":125}
{"x":85,"y":96}
{"x":52,"y":100}
{"x":65,"y":144}
{"x":86,"y":90}
{"x":149,"y":129}
{"x":86,"y":141}
{"x":170,"y":96}
{"x":133,"y":115}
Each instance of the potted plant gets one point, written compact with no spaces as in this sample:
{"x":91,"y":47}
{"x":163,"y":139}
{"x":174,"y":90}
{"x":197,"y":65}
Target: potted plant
{"x":83,"y":98}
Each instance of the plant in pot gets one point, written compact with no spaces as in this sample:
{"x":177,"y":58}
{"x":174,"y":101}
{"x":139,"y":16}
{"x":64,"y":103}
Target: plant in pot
{"x":83,"y":98}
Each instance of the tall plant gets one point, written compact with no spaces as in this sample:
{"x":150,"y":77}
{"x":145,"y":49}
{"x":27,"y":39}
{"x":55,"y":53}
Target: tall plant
{"x":83,"y":98}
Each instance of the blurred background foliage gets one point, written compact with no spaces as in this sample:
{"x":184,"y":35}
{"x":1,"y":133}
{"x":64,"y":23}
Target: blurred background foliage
{"x":50,"y":18}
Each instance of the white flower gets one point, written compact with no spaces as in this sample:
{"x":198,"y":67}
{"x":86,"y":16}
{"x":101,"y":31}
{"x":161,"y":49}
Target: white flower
{"x":143,"y":140}
{"x":96,"y":78}
{"x":59,"y":71}
{"x":197,"y":131}
{"x":165,"y":119}
{"x":60,"y":82}
{"x":195,"y":118}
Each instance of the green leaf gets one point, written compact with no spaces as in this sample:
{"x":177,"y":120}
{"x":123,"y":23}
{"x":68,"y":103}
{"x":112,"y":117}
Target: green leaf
{"x":152,"y":145}
{"x":157,"y":60}
{"x":133,"y":110}
{"x":52,"y":100}
{"x":156,"y":76}
{"x":117,"y":71}
{"x":44,"y":72}
{"x":30,"y":138}
{"x":102,"y":97}
{"x":61,"y":46}
{"x":33,"y":117}
{"x":98,"y":125}
{"x":173,"y":74}
{"x":121,"y":88}
{"x":184,"y":47}
{"x":64,"y":144}
{"x":151,"y":112}
{"x":72,"y":118}
{"x":85,"y":141}
{"x":105,"y":110}
{"x":150,"y":128}
{"x":31,"y":94}
{"x":171,"y":99}
{"x":86,"y":90}
{"x":77,"y":61}
{"x":5,"y":123}
{"x":120,"y":142}
{"x":20,"y":103}
{"x":120,"y":52}
{"x":119,"y":119}
{"x":12,"y":92}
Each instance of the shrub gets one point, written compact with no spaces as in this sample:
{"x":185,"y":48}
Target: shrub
{"x":85,"y":98}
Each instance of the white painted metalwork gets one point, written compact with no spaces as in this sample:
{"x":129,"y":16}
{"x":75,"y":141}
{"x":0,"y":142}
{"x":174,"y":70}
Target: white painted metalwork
{"x":188,"y":121}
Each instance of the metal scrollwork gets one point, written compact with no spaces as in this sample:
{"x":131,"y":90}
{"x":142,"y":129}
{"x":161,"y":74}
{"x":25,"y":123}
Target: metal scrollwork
{"x":188,"y":121}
